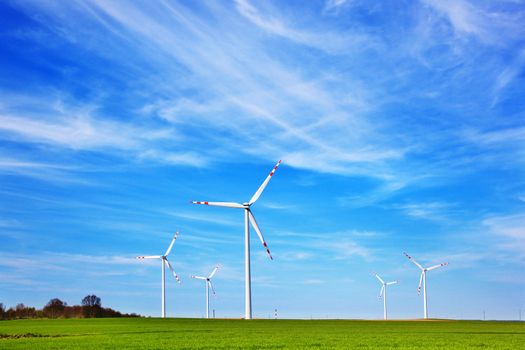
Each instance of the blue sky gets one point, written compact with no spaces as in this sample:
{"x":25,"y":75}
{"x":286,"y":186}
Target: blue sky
{"x":400,"y":125}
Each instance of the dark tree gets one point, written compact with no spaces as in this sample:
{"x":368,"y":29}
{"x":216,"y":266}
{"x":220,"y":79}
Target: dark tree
{"x":54,"y":308}
{"x":91,"y":300}
{"x":91,"y":306}
{"x":21,"y":311}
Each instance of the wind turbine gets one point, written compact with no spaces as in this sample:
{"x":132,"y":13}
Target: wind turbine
{"x":248,"y":216}
{"x":423,"y":279}
{"x":164,"y":262}
{"x":382,"y":293}
{"x":208,"y":284}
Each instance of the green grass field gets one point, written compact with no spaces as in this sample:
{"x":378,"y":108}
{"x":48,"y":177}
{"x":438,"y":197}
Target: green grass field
{"x":154,"y":333}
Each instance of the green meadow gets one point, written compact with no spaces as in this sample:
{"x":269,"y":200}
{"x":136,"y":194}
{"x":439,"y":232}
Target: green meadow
{"x":155,"y":333}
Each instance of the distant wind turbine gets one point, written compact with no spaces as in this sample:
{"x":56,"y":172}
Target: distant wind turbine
{"x":248,"y":216}
{"x":423,"y":279}
{"x":382,"y":293}
{"x":208,"y":285}
{"x":164,"y":262}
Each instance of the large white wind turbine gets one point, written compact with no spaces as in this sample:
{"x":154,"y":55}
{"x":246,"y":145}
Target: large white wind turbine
{"x":382,"y":293}
{"x":423,"y":279}
{"x":248,"y":216}
{"x":208,"y":284}
{"x":164,"y":262}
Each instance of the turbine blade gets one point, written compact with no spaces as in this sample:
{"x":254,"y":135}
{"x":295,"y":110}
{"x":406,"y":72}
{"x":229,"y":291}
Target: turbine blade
{"x":415,"y":262}
{"x":389,"y":283}
{"x":149,"y":257}
{"x":264,"y":184}
{"x":420,"y":281}
{"x":379,"y":278}
{"x":259,"y":233}
{"x":213,"y":272}
{"x":381,"y":292}
{"x":212,"y":289}
{"x":171,"y":244}
{"x":172,"y":271}
{"x":199,"y":277}
{"x":221,"y":204}
{"x":437,"y":266}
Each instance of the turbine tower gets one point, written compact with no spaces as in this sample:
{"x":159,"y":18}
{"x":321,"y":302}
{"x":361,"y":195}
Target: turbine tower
{"x":382,"y":293}
{"x":208,"y":285}
{"x":248,"y":217}
{"x":164,"y":262}
{"x":423,"y":279}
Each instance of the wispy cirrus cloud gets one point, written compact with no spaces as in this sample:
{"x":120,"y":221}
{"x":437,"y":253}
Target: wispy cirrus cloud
{"x":485,"y":22}
{"x":439,"y":211}
{"x":80,"y":129}
{"x":215,"y":219}
{"x":74,"y":132}
{"x":245,"y":95}
{"x":46,"y":262}
{"x":511,"y":229}
{"x":346,"y":248}
{"x":325,"y":40}
{"x":334,"y":4}
{"x":313,"y":118}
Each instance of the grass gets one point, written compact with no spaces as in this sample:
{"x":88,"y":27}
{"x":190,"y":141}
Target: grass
{"x":154,"y":333}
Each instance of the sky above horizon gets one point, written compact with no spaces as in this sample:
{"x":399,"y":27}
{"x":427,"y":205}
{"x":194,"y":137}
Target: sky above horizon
{"x":400,"y":125}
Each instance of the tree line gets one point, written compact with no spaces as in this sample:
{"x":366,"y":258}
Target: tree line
{"x":90,"y":306}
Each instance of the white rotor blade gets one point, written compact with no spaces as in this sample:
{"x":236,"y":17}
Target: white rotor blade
{"x":436,"y":266}
{"x":259,"y":233}
{"x":415,"y":262}
{"x":420,"y":281}
{"x":149,"y":257}
{"x":213,"y":272}
{"x":212,"y":289}
{"x":389,"y":283}
{"x":381,"y":292}
{"x":199,"y":277}
{"x":379,"y":278}
{"x":172,"y":271}
{"x":171,"y":244}
{"x":264,"y":184}
{"x":221,"y":204}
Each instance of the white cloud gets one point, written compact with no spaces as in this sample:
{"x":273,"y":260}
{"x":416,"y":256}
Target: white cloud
{"x":295,"y":255}
{"x":184,"y":158}
{"x":331,"y":4}
{"x":429,"y":210}
{"x":510,"y":228}
{"x":346,"y":248}
{"x":211,"y":218}
{"x":245,"y":93}
{"x":77,"y":132}
{"x":278,"y":206}
{"x":320,"y":39}
{"x":60,"y":262}
{"x":313,"y":281}
{"x":464,"y":17}
{"x":49,"y":172}
{"x":247,"y":100}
